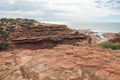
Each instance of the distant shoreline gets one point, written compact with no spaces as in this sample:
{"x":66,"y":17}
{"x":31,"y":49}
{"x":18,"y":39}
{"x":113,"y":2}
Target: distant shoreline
{"x":97,"y":37}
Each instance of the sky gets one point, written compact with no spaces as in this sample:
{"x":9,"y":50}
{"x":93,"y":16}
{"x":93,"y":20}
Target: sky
{"x":62,"y":10}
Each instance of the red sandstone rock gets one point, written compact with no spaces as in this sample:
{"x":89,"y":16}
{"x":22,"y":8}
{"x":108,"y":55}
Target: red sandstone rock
{"x":64,"y":62}
{"x":113,"y":37}
{"x":61,"y":62}
{"x":109,"y":36}
{"x":46,"y":36}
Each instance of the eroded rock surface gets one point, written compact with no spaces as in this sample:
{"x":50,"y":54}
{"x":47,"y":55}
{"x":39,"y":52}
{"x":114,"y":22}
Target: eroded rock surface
{"x":59,"y":53}
{"x":46,"y":36}
{"x":31,"y":34}
{"x":64,"y":62}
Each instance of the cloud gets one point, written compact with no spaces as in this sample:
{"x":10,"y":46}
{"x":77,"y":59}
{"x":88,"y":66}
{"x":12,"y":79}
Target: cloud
{"x":80,"y":9}
{"x":21,"y":13}
{"x":68,"y":10}
{"x":111,"y":4}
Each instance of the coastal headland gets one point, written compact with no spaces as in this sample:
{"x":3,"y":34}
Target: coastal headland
{"x":32,"y":50}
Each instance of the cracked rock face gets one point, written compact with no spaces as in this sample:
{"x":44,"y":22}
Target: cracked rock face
{"x":64,"y":62}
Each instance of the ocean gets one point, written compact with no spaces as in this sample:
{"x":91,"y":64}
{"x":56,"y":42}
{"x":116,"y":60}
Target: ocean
{"x":101,"y":27}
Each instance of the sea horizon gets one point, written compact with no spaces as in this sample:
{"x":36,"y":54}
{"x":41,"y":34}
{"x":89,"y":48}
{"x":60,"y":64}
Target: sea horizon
{"x":101,"y":27}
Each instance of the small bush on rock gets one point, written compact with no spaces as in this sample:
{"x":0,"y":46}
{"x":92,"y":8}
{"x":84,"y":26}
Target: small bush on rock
{"x":10,"y":29}
{"x":3,"y":46}
{"x":4,"y":34}
{"x":109,"y":45}
{"x":26,"y":24}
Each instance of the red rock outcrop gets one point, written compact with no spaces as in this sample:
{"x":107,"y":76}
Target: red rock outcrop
{"x":31,"y":34}
{"x":109,"y":36}
{"x":65,"y":60}
{"x":113,"y":37}
{"x":116,"y":39}
{"x":46,"y":36}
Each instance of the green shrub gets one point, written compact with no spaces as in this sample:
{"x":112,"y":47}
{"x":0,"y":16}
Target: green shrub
{"x":3,"y":46}
{"x":4,"y":19}
{"x":10,"y":28}
{"x":4,"y":34}
{"x":26,"y":24}
{"x":1,"y":24}
{"x":109,"y":45}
